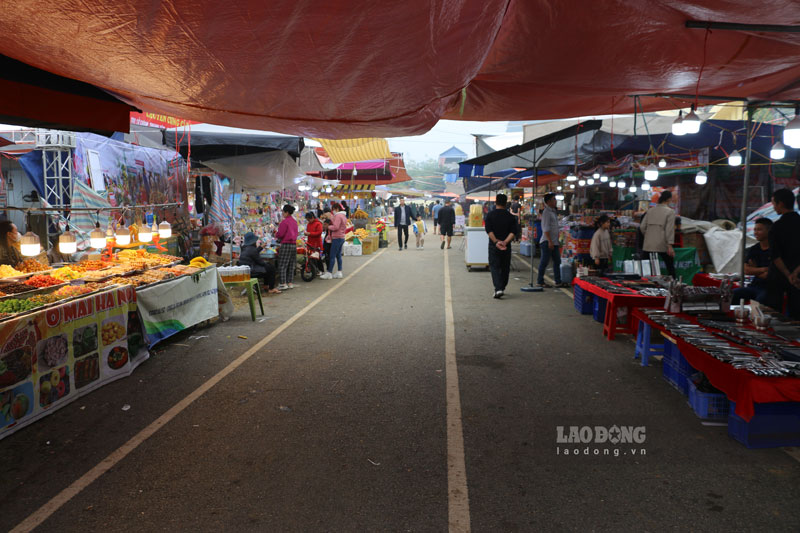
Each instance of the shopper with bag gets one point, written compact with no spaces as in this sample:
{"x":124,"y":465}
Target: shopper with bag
{"x":336,"y":230}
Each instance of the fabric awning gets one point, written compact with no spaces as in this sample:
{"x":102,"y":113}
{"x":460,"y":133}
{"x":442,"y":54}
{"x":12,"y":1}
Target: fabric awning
{"x":350,"y":150}
{"x":213,"y":145}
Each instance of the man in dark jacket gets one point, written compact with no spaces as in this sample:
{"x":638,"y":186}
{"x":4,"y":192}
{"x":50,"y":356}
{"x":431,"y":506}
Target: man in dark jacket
{"x":402,"y":219}
{"x":784,"y":247}
{"x":447,"y":221}
{"x":251,"y":256}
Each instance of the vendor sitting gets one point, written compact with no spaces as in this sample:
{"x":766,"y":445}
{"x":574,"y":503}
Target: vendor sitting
{"x":251,"y":256}
{"x":756,"y":264}
{"x":10,"y":244}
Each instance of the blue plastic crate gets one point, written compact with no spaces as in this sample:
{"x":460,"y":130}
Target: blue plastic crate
{"x":525,"y":248}
{"x":583,"y":300}
{"x":678,"y":361}
{"x":708,"y":405}
{"x":675,"y":378}
{"x":774,"y":425}
{"x":599,"y":309}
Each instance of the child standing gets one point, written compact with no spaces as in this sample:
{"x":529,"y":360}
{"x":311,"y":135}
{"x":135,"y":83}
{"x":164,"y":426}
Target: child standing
{"x":420,"y":229}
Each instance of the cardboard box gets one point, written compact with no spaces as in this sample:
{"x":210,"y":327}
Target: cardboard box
{"x":367,"y":247}
{"x":351,"y":249}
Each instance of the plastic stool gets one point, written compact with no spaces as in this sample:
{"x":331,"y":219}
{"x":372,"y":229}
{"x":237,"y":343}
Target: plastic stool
{"x":644,"y":347}
{"x":253,"y":291}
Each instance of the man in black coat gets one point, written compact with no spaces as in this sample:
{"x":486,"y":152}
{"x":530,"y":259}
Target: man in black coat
{"x":251,"y":256}
{"x":784,"y":248}
{"x":402,"y":219}
{"x":447,"y":221}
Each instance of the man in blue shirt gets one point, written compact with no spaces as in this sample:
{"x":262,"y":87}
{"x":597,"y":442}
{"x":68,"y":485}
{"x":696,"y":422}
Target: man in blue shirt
{"x":436,"y":209}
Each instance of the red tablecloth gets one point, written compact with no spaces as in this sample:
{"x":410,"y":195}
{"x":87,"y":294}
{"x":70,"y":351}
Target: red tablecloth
{"x":617,"y":301}
{"x":704,"y":280}
{"x":739,"y":386}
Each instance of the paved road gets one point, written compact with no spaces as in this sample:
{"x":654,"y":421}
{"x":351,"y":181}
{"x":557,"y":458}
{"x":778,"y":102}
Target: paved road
{"x":339,"y":423}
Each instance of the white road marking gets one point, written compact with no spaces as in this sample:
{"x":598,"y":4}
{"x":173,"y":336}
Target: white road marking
{"x":457,"y":495}
{"x":46,"y":510}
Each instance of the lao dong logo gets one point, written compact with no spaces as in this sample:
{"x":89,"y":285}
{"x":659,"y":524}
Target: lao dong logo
{"x":600,"y":435}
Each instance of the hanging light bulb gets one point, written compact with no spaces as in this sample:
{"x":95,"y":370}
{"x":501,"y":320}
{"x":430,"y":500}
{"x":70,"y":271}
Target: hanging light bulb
{"x":621,"y":184}
{"x":596,"y":175}
{"x":315,"y":194}
{"x":778,"y":151}
{"x":590,"y":181}
{"x":651,"y":172}
{"x":662,"y":163}
{"x":559,"y":197}
{"x":355,"y":171}
{"x":344,"y":197}
{"x":701,"y":178}
{"x":123,"y":236}
{"x":328,"y":189}
{"x":164,"y":230}
{"x":97,"y":239}
{"x":691,"y":123}
{"x":581,"y":182}
{"x":145,"y":235}
{"x":355,"y":197}
{"x":633,"y":188}
{"x":67,"y":243}
{"x":571,"y":185}
{"x":603,"y":178}
{"x":558,"y":188}
{"x":677,"y":125}
{"x":645,"y":185}
{"x":735,"y":159}
{"x":572,"y":177}
{"x":612,"y":184}
{"x":791,"y":132}
{"x":29,"y":245}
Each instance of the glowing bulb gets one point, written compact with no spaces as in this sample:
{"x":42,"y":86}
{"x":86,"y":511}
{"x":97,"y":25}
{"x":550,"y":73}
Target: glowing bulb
{"x":612,"y":184}
{"x":123,"y":236}
{"x":590,"y":181}
{"x":651,"y":172}
{"x":791,"y":132}
{"x":29,"y":245}
{"x":558,"y":188}
{"x":632,"y":188}
{"x":164,"y":230}
{"x":691,"y":123}
{"x":315,"y":194}
{"x":701,"y":178}
{"x":603,"y":178}
{"x":596,"y":175}
{"x":67,"y":244}
{"x":662,"y":163}
{"x":328,"y":189}
{"x":571,"y":185}
{"x":621,"y":184}
{"x":677,"y":125}
{"x":778,"y":151}
{"x":145,"y":235}
{"x":559,"y":197}
{"x":581,"y":182}
{"x":735,"y":159}
{"x":646,"y":186}
{"x":572,"y":177}
{"x":97,"y":239}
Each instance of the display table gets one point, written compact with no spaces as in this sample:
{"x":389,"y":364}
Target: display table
{"x":61,"y":352}
{"x":739,"y":386}
{"x":175,"y":305}
{"x":476,"y":248}
{"x":616,"y":302}
{"x":701,"y":279}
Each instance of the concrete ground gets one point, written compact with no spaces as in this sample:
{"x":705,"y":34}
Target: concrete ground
{"x":338,"y":421}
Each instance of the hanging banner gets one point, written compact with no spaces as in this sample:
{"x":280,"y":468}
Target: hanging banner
{"x":54,"y":356}
{"x":157,"y":120}
{"x":173,"y":306}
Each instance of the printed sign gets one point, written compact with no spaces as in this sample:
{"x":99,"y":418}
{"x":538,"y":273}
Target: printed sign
{"x":54,"y":356}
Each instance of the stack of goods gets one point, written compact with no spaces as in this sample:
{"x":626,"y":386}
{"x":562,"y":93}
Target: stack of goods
{"x":358,"y":213}
{"x":42,"y":281}
{"x":32,"y":265}
{"x":361,"y":233}
{"x":119,"y":270}
{"x":15,"y":288}
{"x":74,"y":290}
{"x":624,"y":238}
{"x":96,"y":275}
{"x":67,"y":273}
{"x":94,"y":265}
{"x":199,"y":262}
{"x":9,"y":272}
{"x":142,"y":259}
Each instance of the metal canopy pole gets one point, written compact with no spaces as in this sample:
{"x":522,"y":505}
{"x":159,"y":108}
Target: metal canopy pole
{"x":531,"y":287}
{"x":744,"y":193}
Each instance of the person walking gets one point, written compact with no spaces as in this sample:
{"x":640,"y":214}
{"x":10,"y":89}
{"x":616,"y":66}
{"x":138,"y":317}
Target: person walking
{"x":336,"y":229}
{"x":447,"y":221}
{"x":420,"y":229}
{"x":600,"y":248}
{"x":402,"y":218}
{"x":784,"y":247}
{"x":287,"y":255}
{"x":756,"y":263}
{"x":550,"y":246}
{"x":501,"y":226}
{"x":435,"y":215}
{"x":658,"y":228}
{"x":251,"y":256}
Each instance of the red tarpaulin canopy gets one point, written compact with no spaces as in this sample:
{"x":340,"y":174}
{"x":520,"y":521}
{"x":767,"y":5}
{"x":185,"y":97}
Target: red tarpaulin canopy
{"x":303,"y":67}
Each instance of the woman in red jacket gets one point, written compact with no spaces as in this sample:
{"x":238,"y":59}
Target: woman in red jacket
{"x":314,"y":236}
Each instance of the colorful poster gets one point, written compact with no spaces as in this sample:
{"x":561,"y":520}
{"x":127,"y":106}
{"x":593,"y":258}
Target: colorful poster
{"x":173,"y":306}
{"x":54,"y":356}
